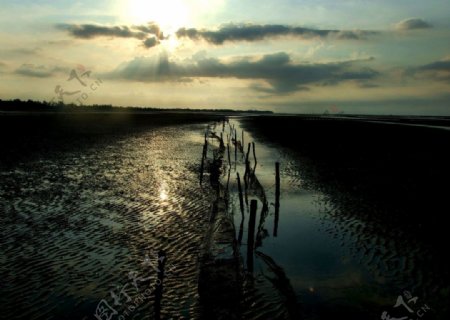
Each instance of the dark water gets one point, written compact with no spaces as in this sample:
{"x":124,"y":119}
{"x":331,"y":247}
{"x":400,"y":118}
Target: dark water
{"x":342,"y":257}
{"x":81,"y":224}
{"x":75,"y":223}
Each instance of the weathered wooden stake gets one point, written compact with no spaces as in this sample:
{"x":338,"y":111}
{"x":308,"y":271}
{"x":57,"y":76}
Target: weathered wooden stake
{"x":247,"y":164}
{"x":228,"y":186}
{"x":204,"y":153}
{"x":229,"y":158}
{"x":248,"y":152}
{"x":277,"y":198}
{"x":241,"y":231}
{"x":241,"y":199}
{"x":235,"y":146}
{"x":222,"y":145}
{"x":254,"y":156}
{"x":251,"y":234}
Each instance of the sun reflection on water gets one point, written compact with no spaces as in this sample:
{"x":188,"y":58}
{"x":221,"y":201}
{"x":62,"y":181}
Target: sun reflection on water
{"x":163,"y":192}
{"x":163,"y":195}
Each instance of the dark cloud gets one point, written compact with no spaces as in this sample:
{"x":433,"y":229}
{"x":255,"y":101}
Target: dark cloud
{"x":150,"y":33}
{"x":278,"y":88}
{"x":277,"y":71}
{"x":151,"y":28}
{"x":412,"y":23}
{"x":438,"y":70}
{"x":151,"y":42}
{"x":89,"y":31}
{"x":31,"y":70}
{"x":252,"y":32}
{"x":442,"y":65}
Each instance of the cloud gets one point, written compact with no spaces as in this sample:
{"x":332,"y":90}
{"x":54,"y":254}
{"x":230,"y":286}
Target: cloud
{"x":253,"y":32}
{"x":150,"y":33}
{"x":151,"y":42}
{"x":60,"y":43}
{"x":442,"y":65}
{"x":438,"y":70}
{"x":151,"y":28}
{"x":25,"y":51}
{"x":89,"y":31}
{"x":412,"y":23}
{"x":278,"y":72}
{"x":31,"y":70}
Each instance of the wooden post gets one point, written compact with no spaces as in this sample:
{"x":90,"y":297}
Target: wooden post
{"x":241,"y":199}
{"x":262,"y":219}
{"x":204,"y":154}
{"x":235,"y":146}
{"x":229,"y":158}
{"x":241,"y":231}
{"x":248,"y":152}
{"x":222,"y":145}
{"x":242,"y":142}
{"x":251,"y":234}
{"x":247,"y":164}
{"x":254,"y":156}
{"x":228,"y":187}
{"x":277,"y":198}
{"x":159,"y":283}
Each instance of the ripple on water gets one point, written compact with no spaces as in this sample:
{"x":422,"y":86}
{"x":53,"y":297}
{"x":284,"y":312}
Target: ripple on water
{"x":74,"y":225}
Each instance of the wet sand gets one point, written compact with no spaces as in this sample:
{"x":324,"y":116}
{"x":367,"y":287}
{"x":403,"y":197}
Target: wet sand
{"x":92,"y":203}
{"x":88,"y":200}
{"x":364,"y":204}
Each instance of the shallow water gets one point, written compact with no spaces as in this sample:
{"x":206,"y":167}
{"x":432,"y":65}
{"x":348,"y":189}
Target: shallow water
{"x":326,"y":261}
{"x":81,"y":225}
{"x":74,"y":224}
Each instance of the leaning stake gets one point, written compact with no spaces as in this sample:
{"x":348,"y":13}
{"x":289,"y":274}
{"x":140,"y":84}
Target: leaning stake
{"x":277,"y":198}
{"x":251,"y":234}
{"x":241,"y":200}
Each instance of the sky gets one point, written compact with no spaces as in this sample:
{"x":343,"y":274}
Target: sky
{"x":290,"y":56}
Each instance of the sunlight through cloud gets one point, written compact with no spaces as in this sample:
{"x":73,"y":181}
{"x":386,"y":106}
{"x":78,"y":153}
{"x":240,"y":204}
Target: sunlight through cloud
{"x":169,"y":14}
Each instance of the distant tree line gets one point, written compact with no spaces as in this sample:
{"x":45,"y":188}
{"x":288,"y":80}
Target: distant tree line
{"x":18,"y":105}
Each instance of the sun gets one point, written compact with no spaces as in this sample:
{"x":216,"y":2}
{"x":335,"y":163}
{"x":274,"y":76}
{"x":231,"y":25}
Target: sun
{"x":170,"y":15}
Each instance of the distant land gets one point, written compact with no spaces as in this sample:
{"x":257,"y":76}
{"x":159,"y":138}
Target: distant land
{"x":18,"y":105}
{"x":31,"y":106}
